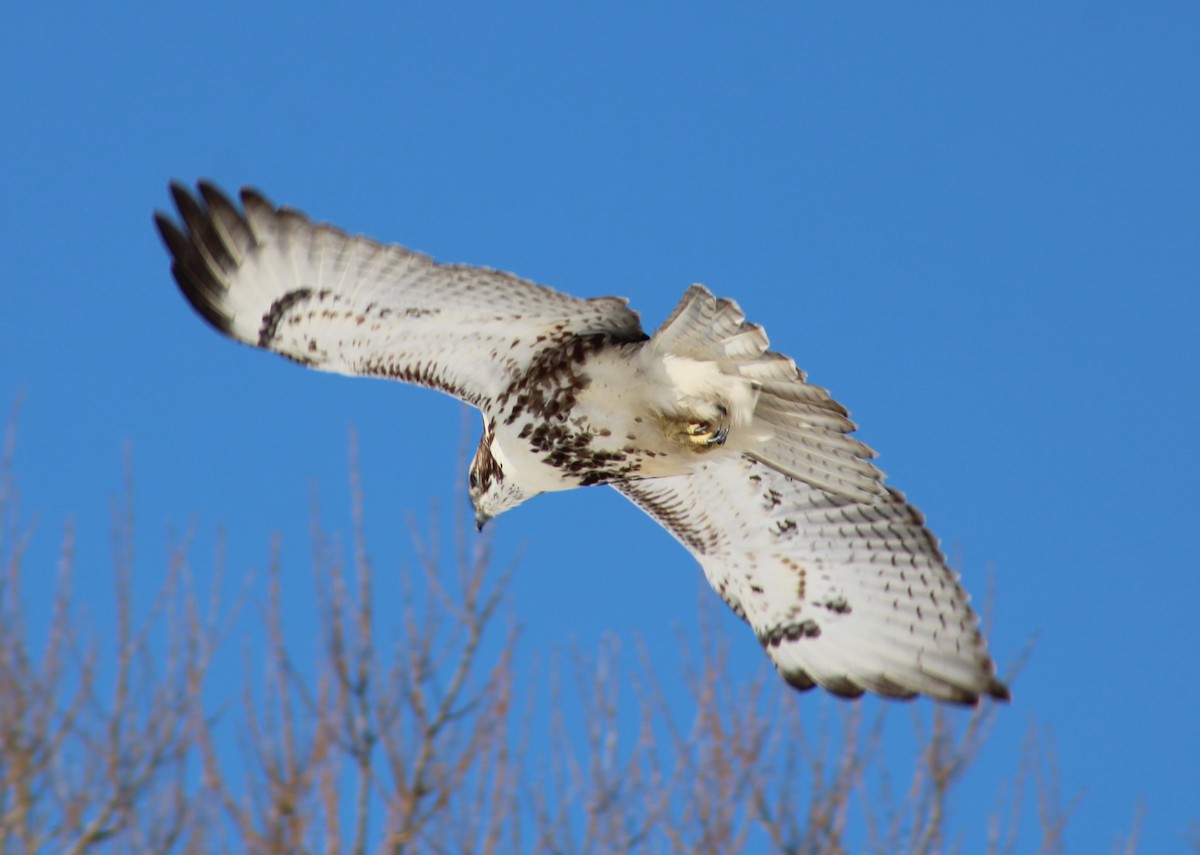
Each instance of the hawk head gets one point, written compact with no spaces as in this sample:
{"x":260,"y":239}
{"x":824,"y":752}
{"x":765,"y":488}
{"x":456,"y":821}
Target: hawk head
{"x":491,"y":492}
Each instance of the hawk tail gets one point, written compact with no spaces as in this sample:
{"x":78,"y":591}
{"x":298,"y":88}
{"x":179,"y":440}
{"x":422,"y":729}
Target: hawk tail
{"x":796,"y":428}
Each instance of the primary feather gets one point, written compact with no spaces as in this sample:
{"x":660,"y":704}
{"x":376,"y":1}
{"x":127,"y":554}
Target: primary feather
{"x":323,"y":298}
{"x":850,"y":596}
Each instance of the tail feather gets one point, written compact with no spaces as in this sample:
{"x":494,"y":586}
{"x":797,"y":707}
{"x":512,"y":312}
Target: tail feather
{"x":798,"y":428}
{"x":837,"y":447}
{"x":771,"y":366}
{"x":702,"y":327}
{"x":747,"y":344}
{"x":780,"y":410}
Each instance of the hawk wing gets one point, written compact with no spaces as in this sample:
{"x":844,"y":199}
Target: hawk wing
{"x":271,"y":278}
{"x":847,"y":595}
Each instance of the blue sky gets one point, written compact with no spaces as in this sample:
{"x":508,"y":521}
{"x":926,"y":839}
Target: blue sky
{"x":978,"y":227}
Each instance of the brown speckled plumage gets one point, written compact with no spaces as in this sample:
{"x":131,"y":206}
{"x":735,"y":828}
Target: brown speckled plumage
{"x":719,"y":439}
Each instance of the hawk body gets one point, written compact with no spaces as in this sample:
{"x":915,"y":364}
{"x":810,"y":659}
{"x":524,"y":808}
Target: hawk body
{"x":718,"y":438}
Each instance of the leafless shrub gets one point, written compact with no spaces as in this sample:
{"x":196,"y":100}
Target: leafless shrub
{"x":383,"y":747}
{"x":409,"y":735}
{"x":95,"y":734}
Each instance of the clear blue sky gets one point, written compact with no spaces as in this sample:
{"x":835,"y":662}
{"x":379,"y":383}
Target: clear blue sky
{"x":980,"y":228}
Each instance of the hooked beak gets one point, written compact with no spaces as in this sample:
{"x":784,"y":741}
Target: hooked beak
{"x":480,"y":520}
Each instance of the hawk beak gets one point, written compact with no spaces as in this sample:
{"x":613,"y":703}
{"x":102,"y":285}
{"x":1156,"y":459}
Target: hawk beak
{"x":480,"y":520}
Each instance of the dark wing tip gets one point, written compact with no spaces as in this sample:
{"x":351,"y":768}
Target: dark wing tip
{"x":251,"y":196}
{"x":798,"y":680}
{"x":212,"y":195}
{"x":182,"y":196}
{"x":847,"y":689}
{"x":998,"y":691}
{"x":197,"y":255}
{"x":971,"y":697}
{"x":802,"y":681}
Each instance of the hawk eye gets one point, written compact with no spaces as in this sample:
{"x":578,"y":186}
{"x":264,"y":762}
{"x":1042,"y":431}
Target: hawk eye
{"x":474,"y":479}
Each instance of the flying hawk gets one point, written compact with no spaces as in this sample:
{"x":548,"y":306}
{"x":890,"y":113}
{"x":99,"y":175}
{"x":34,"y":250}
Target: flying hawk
{"x":718,"y":438}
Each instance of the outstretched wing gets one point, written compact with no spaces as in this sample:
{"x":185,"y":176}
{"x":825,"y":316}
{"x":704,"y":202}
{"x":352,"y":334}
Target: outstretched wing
{"x":271,"y":278}
{"x":847,"y":595}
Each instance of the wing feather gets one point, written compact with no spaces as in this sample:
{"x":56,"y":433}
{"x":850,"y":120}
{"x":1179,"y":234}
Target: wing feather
{"x":851,"y":596}
{"x":271,"y":278}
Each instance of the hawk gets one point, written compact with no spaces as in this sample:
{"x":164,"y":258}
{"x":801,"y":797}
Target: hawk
{"x":718,"y":438}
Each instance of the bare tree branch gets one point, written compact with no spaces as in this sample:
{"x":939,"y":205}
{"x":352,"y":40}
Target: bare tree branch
{"x":405,"y":730}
